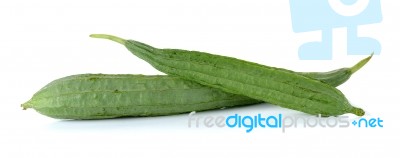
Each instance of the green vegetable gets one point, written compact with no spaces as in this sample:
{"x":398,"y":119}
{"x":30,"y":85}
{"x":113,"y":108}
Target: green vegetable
{"x":99,"y":96}
{"x":274,"y":85}
{"x":338,"y":76}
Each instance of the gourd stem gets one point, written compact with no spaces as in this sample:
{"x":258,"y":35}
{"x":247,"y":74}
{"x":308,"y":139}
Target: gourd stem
{"x":360,"y":64}
{"x":110,"y":37}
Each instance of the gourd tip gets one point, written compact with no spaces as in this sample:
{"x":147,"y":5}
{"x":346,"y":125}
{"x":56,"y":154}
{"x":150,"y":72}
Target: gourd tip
{"x":360,"y":64}
{"x":358,"y":111}
{"x":26,"y":105}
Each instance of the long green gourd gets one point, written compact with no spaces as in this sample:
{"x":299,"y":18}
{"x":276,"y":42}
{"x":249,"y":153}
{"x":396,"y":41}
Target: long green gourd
{"x":274,"y":85}
{"x":101,"y":96}
{"x":58,"y":99}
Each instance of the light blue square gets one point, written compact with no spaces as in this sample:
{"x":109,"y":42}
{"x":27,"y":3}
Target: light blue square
{"x":324,"y":15}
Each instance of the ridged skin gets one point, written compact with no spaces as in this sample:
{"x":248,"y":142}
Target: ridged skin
{"x":99,"y":96}
{"x":274,"y":85}
{"x":53,"y":99}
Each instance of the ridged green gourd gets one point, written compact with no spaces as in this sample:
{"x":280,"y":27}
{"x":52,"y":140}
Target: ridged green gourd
{"x":58,"y":99}
{"x":82,"y":96}
{"x":273,"y":85}
{"x":101,"y":96}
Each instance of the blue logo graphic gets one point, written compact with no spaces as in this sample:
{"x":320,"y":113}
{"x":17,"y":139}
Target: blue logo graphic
{"x":279,"y":121}
{"x":371,"y":122}
{"x":324,"y":15}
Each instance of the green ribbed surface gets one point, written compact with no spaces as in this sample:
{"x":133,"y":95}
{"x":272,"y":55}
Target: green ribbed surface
{"x":274,"y":85}
{"x":97,"y":96}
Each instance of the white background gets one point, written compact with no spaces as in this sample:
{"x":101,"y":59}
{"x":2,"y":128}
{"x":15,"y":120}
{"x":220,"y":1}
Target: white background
{"x":43,"y":40}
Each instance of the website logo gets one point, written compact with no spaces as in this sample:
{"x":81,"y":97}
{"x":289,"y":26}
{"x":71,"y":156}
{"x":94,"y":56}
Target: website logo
{"x":324,"y":15}
{"x":280,"y":121}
